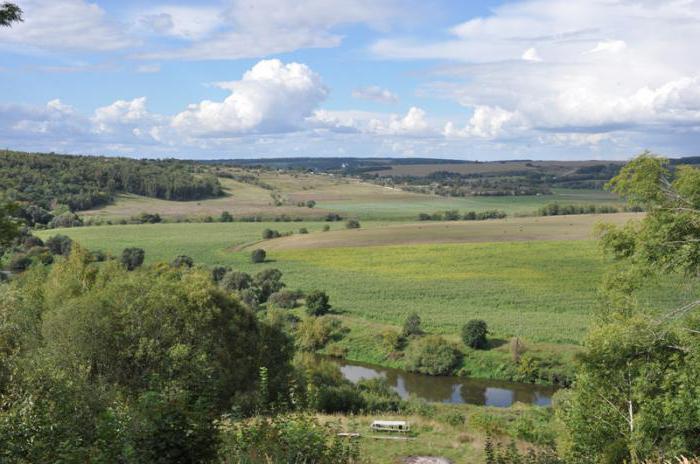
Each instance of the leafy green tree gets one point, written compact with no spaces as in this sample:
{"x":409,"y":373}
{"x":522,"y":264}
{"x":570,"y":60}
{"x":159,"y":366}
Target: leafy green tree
{"x":474,"y":334}
{"x":235,"y":281}
{"x":9,"y":225}
{"x":10,"y":13}
{"x":633,"y":397}
{"x":59,"y":244}
{"x":258,"y":256}
{"x":182,"y":261}
{"x":352,"y":224}
{"x":225,"y":217}
{"x":99,"y":364}
{"x":431,"y":355}
{"x":132,"y":258}
{"x":317,"y":303}
{"x":412,"y":325}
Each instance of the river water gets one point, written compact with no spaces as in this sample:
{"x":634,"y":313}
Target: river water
{"x":446,"y":389}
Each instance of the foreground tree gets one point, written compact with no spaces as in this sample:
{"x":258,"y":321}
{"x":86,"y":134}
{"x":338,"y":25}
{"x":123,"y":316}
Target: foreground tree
{"x":636,"y":394}
{"x":99,"y":364}
{"x":10,"y":13}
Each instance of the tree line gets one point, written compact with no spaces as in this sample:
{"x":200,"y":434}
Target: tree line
{"x":48,"y":181}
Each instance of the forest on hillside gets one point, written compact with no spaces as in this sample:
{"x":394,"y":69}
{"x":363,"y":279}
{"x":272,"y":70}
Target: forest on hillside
{"x":82,"y":182}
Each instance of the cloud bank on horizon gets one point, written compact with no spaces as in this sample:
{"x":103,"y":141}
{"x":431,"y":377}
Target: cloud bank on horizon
{"x":260,"y":78}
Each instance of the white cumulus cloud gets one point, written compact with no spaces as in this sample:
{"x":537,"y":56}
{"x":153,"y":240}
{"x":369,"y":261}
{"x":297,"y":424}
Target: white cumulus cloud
{"x":271,"y":97}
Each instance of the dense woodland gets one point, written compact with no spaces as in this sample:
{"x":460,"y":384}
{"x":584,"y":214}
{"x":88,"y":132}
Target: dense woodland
{"x":83,"y":182}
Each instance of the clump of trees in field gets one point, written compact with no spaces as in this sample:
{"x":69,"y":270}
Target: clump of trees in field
{"x":454,"y":215}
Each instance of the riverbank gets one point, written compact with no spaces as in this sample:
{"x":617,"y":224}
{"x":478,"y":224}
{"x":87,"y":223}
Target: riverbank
{"x":450,"y":389}
{"x":547,"y":364}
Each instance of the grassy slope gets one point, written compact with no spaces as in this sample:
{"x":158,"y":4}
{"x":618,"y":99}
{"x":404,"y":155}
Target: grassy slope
{"x":543,"y":291}
{"x":346,"y":196}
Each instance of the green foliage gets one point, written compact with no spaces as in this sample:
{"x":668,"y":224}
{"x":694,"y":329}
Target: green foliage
{"x":352,"y":224}
{"x":431,"y":355}
{"x":285,"y":299}
{"x":235,"y":281}
{"x":83,"y":182}
{"x":182,"y":261}
{"x":633,"y":399}
{"x":411,"y":325}
{"x":313,"y":333}
{"x":474,"y":334}
{"x":258,"y":256}
{"x":292,"y":439}
{"x":59,"y":244}
{"x":115,"y":366}
{"x":10,"y":13}
{"x":269,"y":234}
{"x":9,"y":225}
{"x":225,"y":217}
{"x":132,"y":258}
{"x":317,"y":303}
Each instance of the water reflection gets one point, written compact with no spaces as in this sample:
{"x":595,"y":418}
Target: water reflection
{"x":451,"y":389}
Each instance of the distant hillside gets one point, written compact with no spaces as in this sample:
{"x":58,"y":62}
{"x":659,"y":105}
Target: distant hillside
{"x":82,"y":182}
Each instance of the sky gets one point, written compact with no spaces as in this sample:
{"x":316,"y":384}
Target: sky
{"x":463,"y":79}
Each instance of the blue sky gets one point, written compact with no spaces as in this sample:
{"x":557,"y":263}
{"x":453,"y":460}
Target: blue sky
{"x":540,"y":79}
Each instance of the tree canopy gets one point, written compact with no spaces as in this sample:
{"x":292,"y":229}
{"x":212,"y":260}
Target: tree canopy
{"x":10,"y":13}
{"x":636,"y":394}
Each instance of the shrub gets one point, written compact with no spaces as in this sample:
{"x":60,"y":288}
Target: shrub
{"x":451,"y":215}
{"x":182,"y":260}
{"x":20,"y":262}
{"x":412,"y":325}
{"x":225,"y":217}
{"x":424,"y":217}
{"x":132,"y":258}
{"x":331,"y":217}
{"x":147,"y":218}
{"x":285,"y":299}
{"x":317,"y":303}
{"x":303,"y":230}
{"x":352,"y":224}
{"x":293,"y":439}
{"x":41,"y":254}
{"x":258,"y":256}
{"x":32,"y":241}
{"x":235,"y":281}
{"x":269,"y":233}
{"x":66,"y":220}
{"x":268,"y":282}
{"x":310,"y":203}
{"x":313,"y":333}
{"x":326,"y":228}
{"x":391,"y":339}
{"x":474,"y":334}
{"x":431,"y":355}
{"x":59,"y":245}
{"x":218,"y":273}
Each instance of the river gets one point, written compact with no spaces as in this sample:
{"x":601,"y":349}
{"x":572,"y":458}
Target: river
{"x":446,"y":389}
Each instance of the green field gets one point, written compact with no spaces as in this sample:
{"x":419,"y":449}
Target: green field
{"x":541,"y":290}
